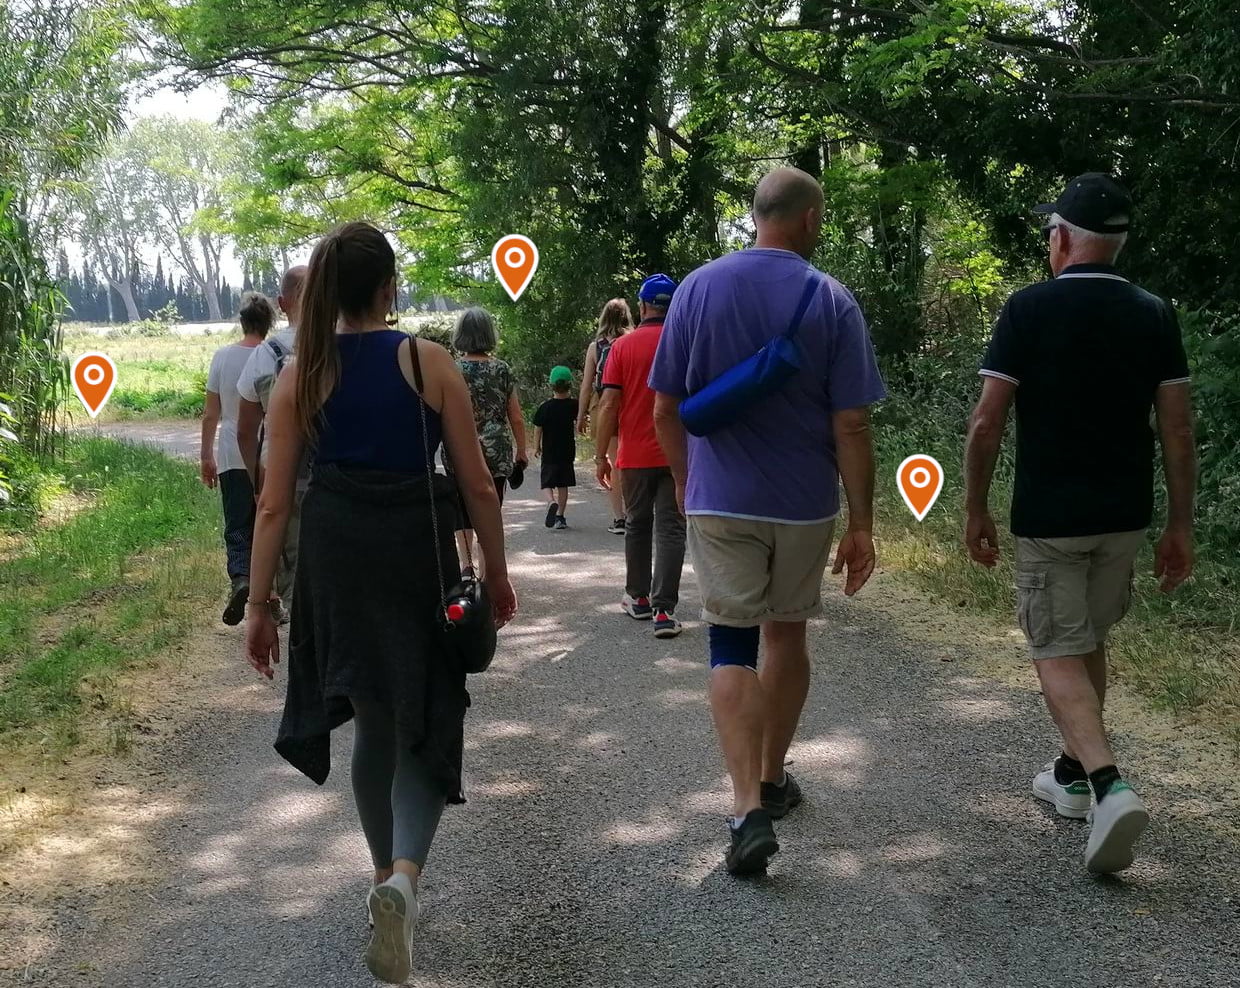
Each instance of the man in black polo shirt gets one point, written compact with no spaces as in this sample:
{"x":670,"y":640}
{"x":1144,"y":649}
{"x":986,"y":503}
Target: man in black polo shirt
{"x":1085,"y":357}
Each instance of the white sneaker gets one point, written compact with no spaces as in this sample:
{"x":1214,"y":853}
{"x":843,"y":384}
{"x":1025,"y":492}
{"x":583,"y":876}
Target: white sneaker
{"x":1118,"y":822}
{"x":394,"y":907}
{"x":1071,"y":800}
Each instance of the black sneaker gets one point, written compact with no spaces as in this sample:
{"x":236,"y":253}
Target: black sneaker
{"x":753,"y":843}
{"x":778,"y":800}
{"x":560,"y":524}
{"x":234,"y":610}
{"x":617,"y":526}
{"x":552,"y":511}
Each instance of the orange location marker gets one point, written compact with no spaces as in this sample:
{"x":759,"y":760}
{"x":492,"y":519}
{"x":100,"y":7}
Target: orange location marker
{"x":920,"y":478}
{"x":94,"y":377}
{"x":515,"y":259}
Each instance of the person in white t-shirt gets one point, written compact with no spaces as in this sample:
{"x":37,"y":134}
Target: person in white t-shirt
{"x":220,"y":455}
{"x":257,"y":381}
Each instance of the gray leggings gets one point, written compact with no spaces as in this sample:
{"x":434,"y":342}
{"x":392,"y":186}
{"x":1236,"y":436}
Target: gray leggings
{"x":397,"y":799}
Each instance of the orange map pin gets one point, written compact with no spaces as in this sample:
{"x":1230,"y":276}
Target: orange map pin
{"x":515,"y":259}
{"x":94,"y":377}
{"x":920,"y":478}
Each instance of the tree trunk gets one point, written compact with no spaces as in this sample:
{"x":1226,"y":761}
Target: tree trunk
{"x":211,"y":277}
{"x":637,"y":99}
{"x":810,"y":158}
{"x":124,"y":288}
{"x":897,"y":232}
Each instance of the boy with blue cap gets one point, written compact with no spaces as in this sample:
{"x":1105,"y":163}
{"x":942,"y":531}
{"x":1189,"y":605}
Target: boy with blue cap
{"x":654,"y":535}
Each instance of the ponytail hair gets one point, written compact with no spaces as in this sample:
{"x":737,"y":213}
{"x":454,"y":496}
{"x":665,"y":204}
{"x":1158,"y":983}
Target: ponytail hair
{"x":347,"y":269}
{"x":615,"y":320}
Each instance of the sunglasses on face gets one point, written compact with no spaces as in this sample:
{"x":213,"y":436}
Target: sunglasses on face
{"x":1046,"y":231}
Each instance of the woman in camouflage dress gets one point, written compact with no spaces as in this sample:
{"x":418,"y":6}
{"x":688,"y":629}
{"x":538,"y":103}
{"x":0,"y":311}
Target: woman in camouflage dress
{"x":497,"y":415}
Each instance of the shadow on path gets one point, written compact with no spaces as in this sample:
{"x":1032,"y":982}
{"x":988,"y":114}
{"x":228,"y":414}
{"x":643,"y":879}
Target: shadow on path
{"x":589,"y":851}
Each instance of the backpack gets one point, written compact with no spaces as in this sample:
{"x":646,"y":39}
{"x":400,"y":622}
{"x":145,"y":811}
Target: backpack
{"x":282,"y":353}
{"x":602,"y":348}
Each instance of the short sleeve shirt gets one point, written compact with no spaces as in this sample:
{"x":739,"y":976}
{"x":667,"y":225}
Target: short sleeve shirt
{"x":225,"y":371}
{"x":1087,"y":352}
{"x":557,"y":417}
{"x":628,"y":371}
{"x":490,"y":384}
{"x":778,"y":463}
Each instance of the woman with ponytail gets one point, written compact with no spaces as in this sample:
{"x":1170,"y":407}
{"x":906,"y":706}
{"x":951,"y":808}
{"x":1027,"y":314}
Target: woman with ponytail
{"x":365,"y":632}
{"x":614,"y":321}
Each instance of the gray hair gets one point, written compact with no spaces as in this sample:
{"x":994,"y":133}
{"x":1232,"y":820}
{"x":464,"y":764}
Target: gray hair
{"x":475,"y":332}
{"x":1100,"y":242}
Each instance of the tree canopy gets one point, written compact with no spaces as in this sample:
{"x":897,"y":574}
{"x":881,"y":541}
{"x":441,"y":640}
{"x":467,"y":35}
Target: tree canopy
{"x":625,"y":137}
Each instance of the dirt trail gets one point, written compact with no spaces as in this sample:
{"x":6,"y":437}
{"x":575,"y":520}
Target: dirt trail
{"x":589,"y":851}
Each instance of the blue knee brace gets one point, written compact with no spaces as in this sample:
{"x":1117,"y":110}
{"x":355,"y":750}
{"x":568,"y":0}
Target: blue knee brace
{"x":734,"y":646}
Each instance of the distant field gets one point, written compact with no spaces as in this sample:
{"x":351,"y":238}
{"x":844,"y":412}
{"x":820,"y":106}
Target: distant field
{"x":161,"y":376}
{"x":157,"y":377}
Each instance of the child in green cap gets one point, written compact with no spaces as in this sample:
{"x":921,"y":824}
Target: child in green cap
{"x":555,"y":441}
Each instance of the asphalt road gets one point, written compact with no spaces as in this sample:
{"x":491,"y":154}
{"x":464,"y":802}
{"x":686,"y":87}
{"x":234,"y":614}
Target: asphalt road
{"x":589,"y":852}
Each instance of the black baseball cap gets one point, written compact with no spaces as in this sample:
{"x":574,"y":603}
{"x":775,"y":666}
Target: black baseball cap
{"x":1093,"y":201}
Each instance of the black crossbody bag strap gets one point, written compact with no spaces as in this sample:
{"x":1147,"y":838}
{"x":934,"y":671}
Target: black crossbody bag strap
{"x":419,"y":386}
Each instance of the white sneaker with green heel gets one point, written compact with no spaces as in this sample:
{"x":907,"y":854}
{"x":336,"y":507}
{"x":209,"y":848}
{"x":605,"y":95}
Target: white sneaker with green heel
{"x":394,"y":909}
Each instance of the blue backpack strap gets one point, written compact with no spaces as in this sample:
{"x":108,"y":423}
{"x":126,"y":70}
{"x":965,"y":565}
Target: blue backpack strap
{"x":807,"y":296}
{"x":281,"y":352}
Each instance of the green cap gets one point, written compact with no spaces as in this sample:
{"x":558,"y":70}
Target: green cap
{"x":561,"y":374}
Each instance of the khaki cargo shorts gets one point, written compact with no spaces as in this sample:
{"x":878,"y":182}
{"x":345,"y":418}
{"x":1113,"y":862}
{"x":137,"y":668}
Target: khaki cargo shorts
{"x":755,"y":571}
{"x":1069,"y":592}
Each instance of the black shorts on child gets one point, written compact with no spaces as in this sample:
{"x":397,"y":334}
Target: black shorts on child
{"x":559,"y":474}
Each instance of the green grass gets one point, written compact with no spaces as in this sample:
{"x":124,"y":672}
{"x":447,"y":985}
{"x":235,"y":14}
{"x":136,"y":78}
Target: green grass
{"x":1177,"y":650}
{"x":157,"y":377}
{"x":114,"y":584}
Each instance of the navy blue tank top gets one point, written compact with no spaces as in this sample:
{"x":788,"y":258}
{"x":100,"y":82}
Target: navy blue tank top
{"x":373,"y":419}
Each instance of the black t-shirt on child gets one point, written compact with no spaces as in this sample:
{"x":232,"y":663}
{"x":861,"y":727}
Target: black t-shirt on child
{"x":557,"y":417}
{"x":1088,"y":352}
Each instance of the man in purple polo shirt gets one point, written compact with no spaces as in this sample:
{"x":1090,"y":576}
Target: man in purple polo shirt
{"x":762,"y":494}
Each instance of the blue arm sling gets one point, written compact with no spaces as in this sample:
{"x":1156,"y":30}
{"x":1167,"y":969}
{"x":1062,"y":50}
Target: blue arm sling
{"x":727,"y":397}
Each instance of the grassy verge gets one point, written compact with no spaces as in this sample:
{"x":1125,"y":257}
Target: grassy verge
{"x":114,"y":584}
{"x":1179,"y":651}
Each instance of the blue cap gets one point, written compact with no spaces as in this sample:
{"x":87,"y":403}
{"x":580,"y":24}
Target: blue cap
{"x":657,"y":290}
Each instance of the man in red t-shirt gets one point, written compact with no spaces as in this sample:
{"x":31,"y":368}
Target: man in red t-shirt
{"x":654,"y":531}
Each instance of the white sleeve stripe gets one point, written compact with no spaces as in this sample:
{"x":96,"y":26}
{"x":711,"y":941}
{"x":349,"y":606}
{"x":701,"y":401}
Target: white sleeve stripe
{"x":1173,"y":380}
{"x":993,"y":373}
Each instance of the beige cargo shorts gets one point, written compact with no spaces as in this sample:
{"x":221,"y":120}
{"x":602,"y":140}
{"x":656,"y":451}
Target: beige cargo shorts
{"x":1069,"y":592}
{"x":754,"y":571}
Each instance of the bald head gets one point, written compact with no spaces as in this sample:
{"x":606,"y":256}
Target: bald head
{"x":785,"y":194}
{"x":787,"y":210}
{"x":290,"y":290}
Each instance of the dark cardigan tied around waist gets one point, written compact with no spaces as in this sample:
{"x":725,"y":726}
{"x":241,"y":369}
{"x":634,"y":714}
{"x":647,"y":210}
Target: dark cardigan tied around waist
{"x":365,"y":607}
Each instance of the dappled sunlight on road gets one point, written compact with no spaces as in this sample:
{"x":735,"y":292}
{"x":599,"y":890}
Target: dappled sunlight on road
{"x":589,"y":852}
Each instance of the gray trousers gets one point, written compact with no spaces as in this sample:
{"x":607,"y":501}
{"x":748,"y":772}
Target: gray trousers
{"x":654,"y":536}
{"x":397,"y":799}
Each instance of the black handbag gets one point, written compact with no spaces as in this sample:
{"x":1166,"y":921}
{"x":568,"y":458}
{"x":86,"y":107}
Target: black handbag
{"x":464,"y":619}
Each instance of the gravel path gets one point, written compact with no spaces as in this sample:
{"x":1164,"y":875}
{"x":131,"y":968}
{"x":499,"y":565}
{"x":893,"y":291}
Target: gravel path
{"x":589,"y":852}
{"x":177,"y":437}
